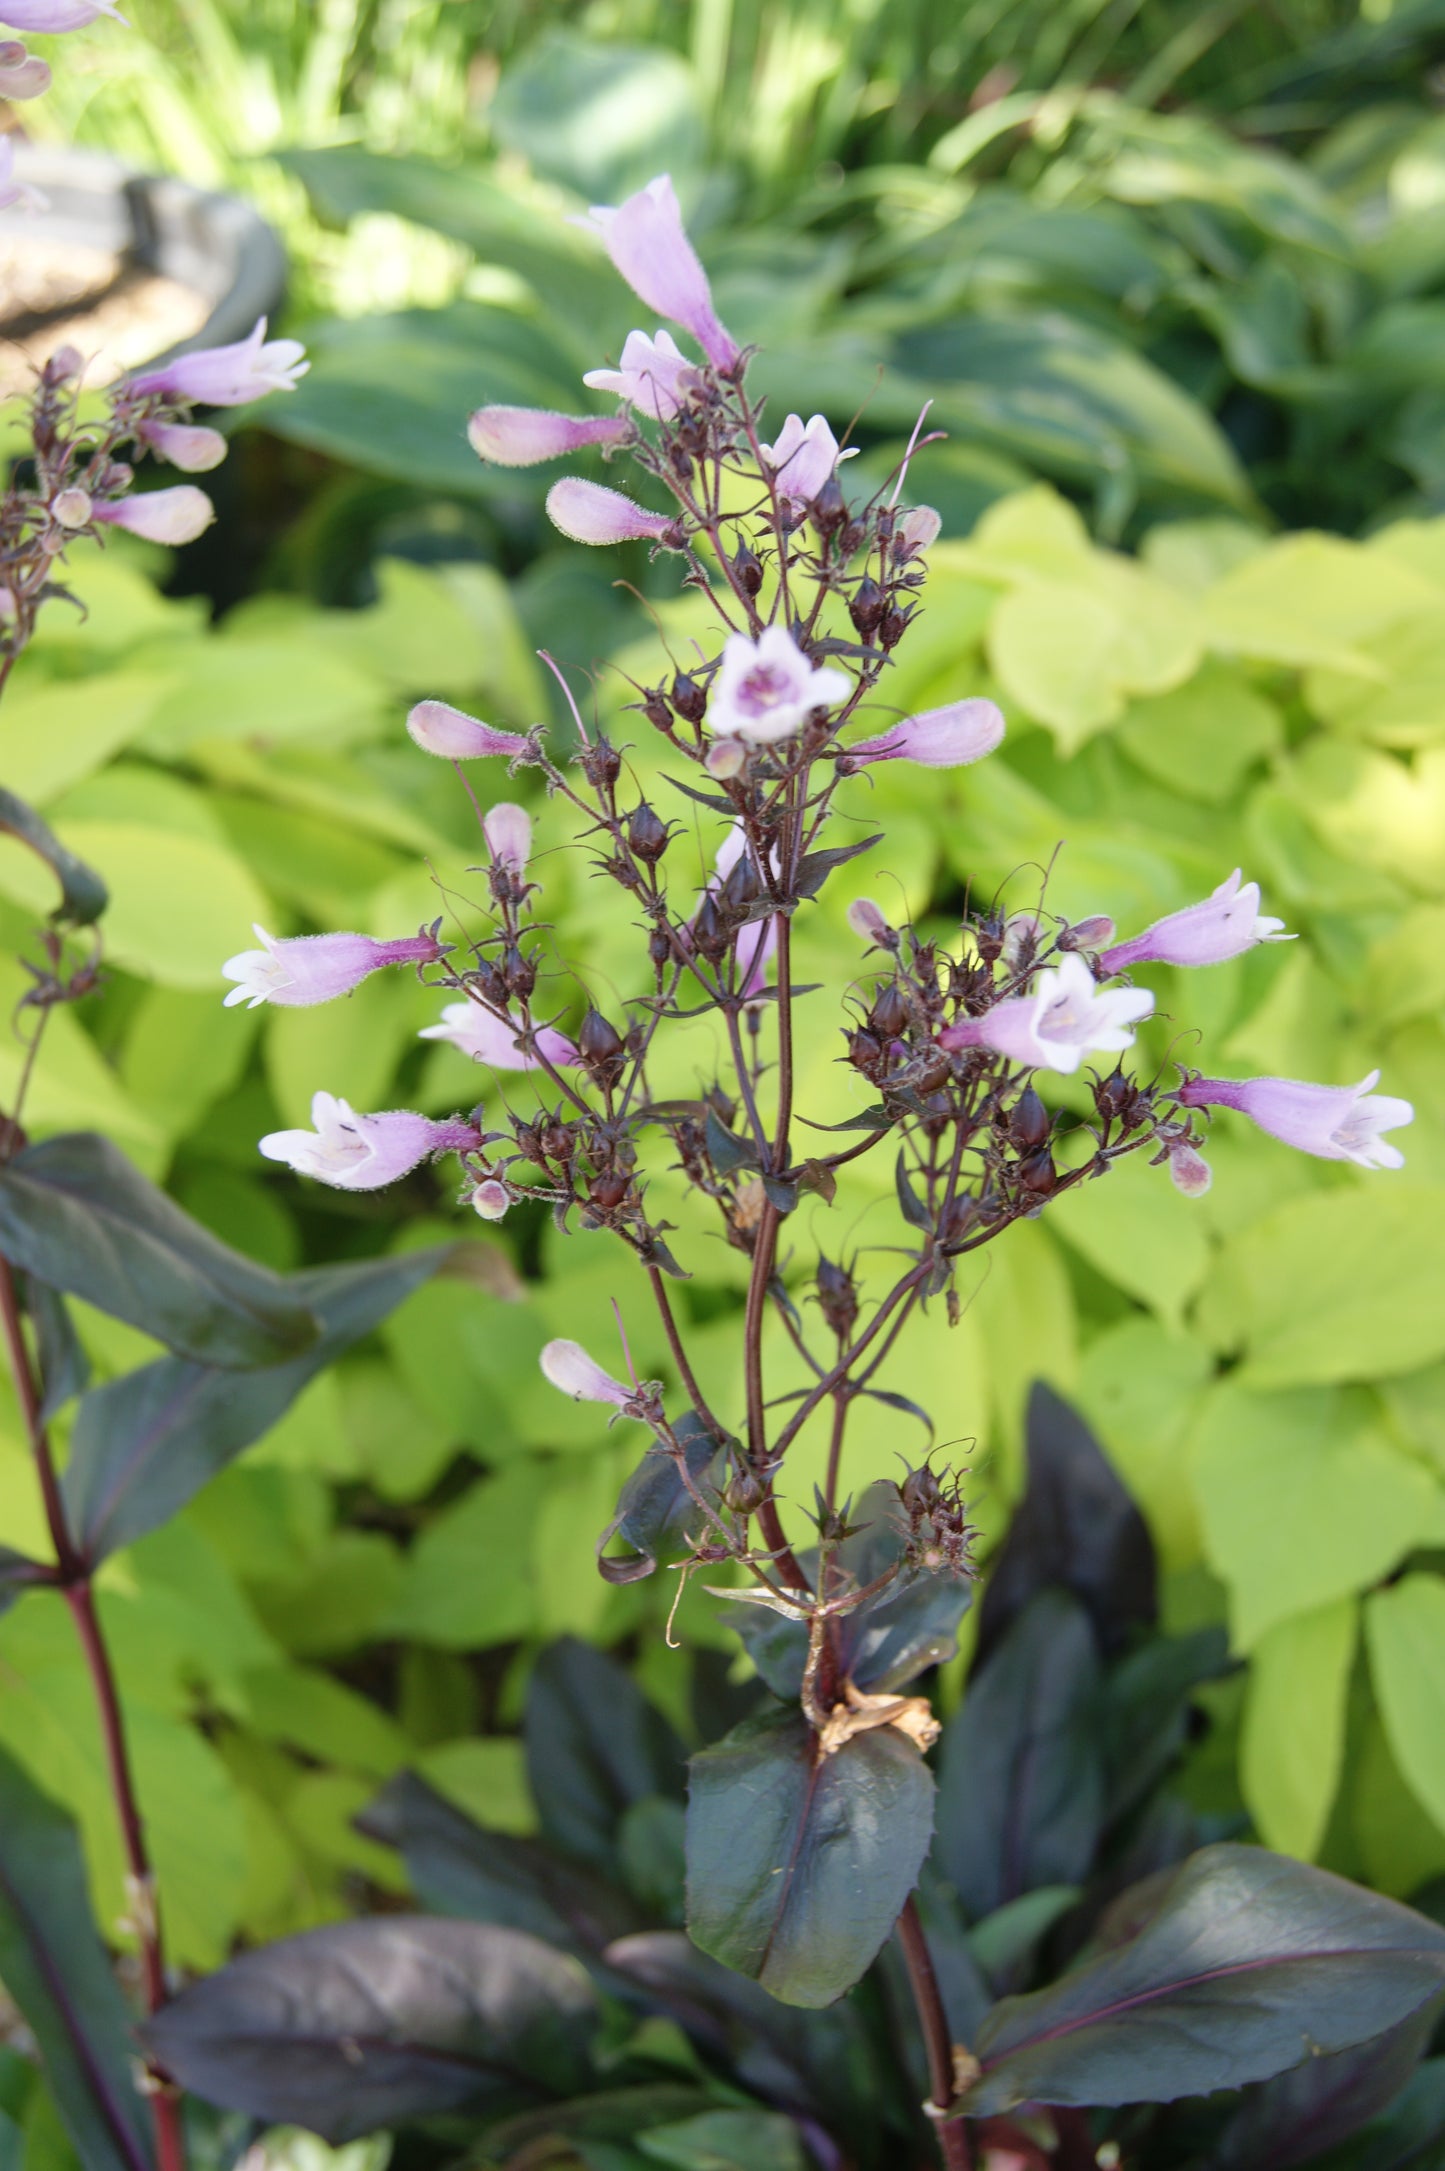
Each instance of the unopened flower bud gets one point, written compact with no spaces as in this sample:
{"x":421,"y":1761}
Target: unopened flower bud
{"x":1190,"y":1171}
{"x":709,"y":934}
{"x":749,"y":570}
{"x":65,"y":363}
{"x":867,"y":606}
{"x":892,"y":627}
{"x":1090,"y":934}
{"x":568,"y":1367}
{"x":868,"y":922}
{"x":519,"y":972}
{"x":889,"y":1014}
{"x":600,"y":763}
{"x":655,"y":709}
{"x":828,"y":508}
{"x":689,"y":697}
{"x":741,"y":888}
{"x":508,"y":831}
{"x":917,"y":531}
{"x":647,"y":834}
{"x":171,"y":516}
{"x":725,"y":757}
{"x":601,"y":1048}
{"x":525,"y":436}
{"x":1036,"y":1172}
{"x":837,"y":1297}
{"x":490,"y":1199}
{"x":744,"y":1493}
{"x":865,"y":1052}
{"x":588,"y":512}
{"x":72,"y":508}
{"x":1029,"y":1120}
{"x":438,"y":728}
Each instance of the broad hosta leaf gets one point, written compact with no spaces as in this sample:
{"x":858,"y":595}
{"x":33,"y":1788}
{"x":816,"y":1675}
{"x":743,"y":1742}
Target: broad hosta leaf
{"x":364,"y":2024}
{"x":594,"y":1746}
{"x":83,"y":895}
{"x":55,"y":1968}
{"x":1252,"y":1964}
{"x":1021,"y":1771}
{"x":655,"y":1508}
{"x":1076,"y":1528}
{"x":884,"y":1643}
{"x":74,"y":1213}
{"x":459,"y":1868}
{"x":1404,"y":1626}
{"x":1286,"y":2121}
{"x":144,"y":1444}
{"x":798,"y":1864}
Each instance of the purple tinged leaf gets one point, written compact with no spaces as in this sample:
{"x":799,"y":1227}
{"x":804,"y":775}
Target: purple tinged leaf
{"x":1285,"y":2121}
{"x":1252,"y":1964}
{"x":594,"y":1746}
{"x":655,"y":1508}
{"x":83,"y":896}
{"x":1409,"y":2136}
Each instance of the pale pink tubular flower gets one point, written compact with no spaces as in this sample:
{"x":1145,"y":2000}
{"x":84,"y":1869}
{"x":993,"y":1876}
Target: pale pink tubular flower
{"x":654,"y":376}
{"x":1054,"y":1026}
{"x":1338,"y":1123}
{"x":299,"y":970}
{"x":917,"y":531}
{"x":646,"y":241}
{"x":588,"y":512}
{"x":190,"y":446}
{"x":228,"y":376}
{"x":438,"y":728}
{"x":1189,"y":1170}
{"x":508,"y":831}
{"x":803,"y":458}
{"x":1225,"y":924}
{"x":523,"y":436}
{"x":868,"y":923}
{"x":55,"y":16}
{"x":568,"y":1367}
{"x":767,"y":689}
{"x":22,"y":74}
{"x":491,"y":1199}
{"x":364,"y":1153}
{"x":161,"y":516}
{"x":946,"y":738}
{"x":488,"y":1039}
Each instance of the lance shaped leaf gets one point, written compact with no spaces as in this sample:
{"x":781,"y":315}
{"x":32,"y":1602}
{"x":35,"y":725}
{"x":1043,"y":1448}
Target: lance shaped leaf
{"x":884,"y":1642}
{"x":75,"y":1214}
{"x":459,"y":1868}
{"x":1144,"y":1713}
{"x":55,"y":1968}
{"x":595,"y":1745}
{"x":18,"y":1574}
{"x":1410,"y":2136}
{"x":145,"y":1444}
{"x":363,"y":2024}
{"x":814,"y":868}
{"x":1287,"y":2120}
{"x":64,"y":1366}
{"x":1251,"y":1964}
{"x":83,"y":895}
{"x":655,"y":1508}
{"x":1075,"y":1527}
{"x":797,"y":1863}
{"x":1021,"y":1768}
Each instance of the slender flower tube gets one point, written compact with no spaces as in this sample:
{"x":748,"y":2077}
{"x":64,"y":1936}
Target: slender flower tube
{"x":161,"y":516}
{"x":588,"y":512}
{"x":568,"y":1367}
{"x":803,"y":458}
{"x":767,"y":689}
{"x":1338,"y":1123}
{"x":487,"y":1039}
{"x":1225,"y":924}
{"x":189,"y":446}
{"x":945,"y":738}
{"x":438,"y":728}
{"x":646,"y":241}
{"x":303,"y":969}
{"x":22,"y":74}
{"x":655,"y":376}
{"x":364,"y":1153}
{"x":55,"y":16}
{"x":228,"y":376}
{"x":508,"y":831}
{"x":1054,"y":1026}
{"x":491,"y":1199}
{"x":523,"y":436}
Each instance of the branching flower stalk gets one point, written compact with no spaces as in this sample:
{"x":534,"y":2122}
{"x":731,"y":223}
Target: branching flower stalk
{"x":775,"y":731}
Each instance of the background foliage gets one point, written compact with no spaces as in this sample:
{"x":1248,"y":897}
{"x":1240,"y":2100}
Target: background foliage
{"x":1177,"y":291}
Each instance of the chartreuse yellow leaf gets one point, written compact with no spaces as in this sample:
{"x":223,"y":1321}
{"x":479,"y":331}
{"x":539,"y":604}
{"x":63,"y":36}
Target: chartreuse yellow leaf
{"x":1375,"y":807}
{"x":1400,"y":1845}
{"x":1303,"y":1500}
{"x":1345,"y":1284}
{"x":1141,"y":1386}
{"x":1139,"y":1232}
{"x":53,"y":732}
{"x":1405,"y":1635}
{"x":1202,"y":736}
{"x":1293,"y":1738}
{"x":1313,"y":599}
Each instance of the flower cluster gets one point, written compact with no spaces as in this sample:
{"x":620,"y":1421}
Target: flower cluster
{"x":952,"y":1042}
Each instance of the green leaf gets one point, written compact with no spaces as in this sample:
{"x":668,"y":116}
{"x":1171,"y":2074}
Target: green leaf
{"x":144,"y":1445}
{"x":1293,"y":1741}
{"x":1137,"y":1230}
{"x":600,"y":119}
{"x":76,"y":1214}
{"x":798,"y":1864}
{"x":1251,"y":1964}
{"x":83,"y":895}
{"x":728,"y":2140}
{"x":53,"y":734}
{"x":468,"y":1581}
{"x":57,"y":1971}
{"x":1204,"y":736}
{"x":1304,"y":1500}
{"x":365,"y":2024}
{"x":1283,"y":2121}
{"x":1020,"y":1772}
{"x":1342,"y":1285}
{"x":1403,"y":1630}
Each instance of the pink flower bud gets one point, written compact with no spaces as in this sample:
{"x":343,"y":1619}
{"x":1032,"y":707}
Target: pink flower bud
{"x":1190,"y":1172}
{"x":186,"y":445}
{"x":868,"y":923}
{"x":161,"y":516}
{"x":438,"y":728}
{"x":491,"y":1199}
{"x":73,"y":508}
{"x":508,"y":831}
{"x":1337,"y":1123}
{"x":363,"y":1153}
{"x":476,"y":1032}
{"x":22,"y":74}
{"x":568,"y":1367}
{"x":521,"y":436}
{"x":226,"y":376}
{"x":654,"y":377}
{"x":916,"y":532}
{"x":1093,"y":933}
{"x":646,"y":241}
{"x":945,"y":738}
{"x":590,"y":513}
{"x":725,"y":757}
{"x":306,"y":969}
{"x":1226,"y":924}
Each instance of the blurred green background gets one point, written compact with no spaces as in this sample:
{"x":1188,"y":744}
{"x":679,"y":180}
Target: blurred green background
{"x":1173,"y":277}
